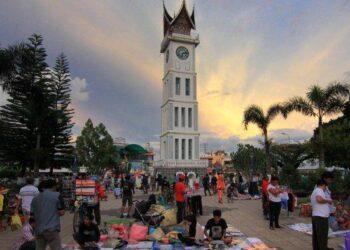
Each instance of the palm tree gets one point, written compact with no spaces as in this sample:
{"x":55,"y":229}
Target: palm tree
{"x":255,"y":114}
{"x":320,"y":102}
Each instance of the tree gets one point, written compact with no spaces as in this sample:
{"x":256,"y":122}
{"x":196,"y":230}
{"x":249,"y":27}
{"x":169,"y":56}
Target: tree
{"x":95,"y":148}
{"x":320,"y":102}
{"x":288,"y":157}
{"x":27,"y":117}
{"x":62,"y":150}
{"x":336,"y":140}
{"x":248,"y":157}
{"x":255,"y":114}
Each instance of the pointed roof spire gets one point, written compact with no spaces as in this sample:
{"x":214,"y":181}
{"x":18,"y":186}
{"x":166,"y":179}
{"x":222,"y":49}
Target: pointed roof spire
{"x":192,"y":16}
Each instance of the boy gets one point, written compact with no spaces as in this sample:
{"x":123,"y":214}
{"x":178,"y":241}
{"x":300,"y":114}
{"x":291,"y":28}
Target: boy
{"x":216,"y":227}
{"x":88,"y":232}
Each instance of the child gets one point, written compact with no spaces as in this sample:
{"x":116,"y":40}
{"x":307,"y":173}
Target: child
{"x":116,"y":191}
{"x":217,"y":228}
{"x":14,"y":219}
{"x":89,"y":234}
{"x":342,"y":217}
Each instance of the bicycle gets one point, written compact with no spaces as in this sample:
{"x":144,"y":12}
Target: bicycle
{"x":79,"y":214}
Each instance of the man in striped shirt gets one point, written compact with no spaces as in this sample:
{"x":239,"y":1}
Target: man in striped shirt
{"x":27,"y":193}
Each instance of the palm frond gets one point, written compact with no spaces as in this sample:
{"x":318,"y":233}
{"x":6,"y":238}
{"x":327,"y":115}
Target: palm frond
{"x":317,"y":96}
{"x":254,"y":114}
{"x":334,"y":106}
{"x":275,"y":110}
{"x":338,"y":89}
{"x":298,"y":104}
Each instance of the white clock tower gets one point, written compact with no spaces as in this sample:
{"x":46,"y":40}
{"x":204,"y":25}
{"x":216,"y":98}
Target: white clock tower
{"x":179,"y":141}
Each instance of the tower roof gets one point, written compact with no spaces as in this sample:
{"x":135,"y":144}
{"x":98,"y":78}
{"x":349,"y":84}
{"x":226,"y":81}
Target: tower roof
{"x":181,"y":23}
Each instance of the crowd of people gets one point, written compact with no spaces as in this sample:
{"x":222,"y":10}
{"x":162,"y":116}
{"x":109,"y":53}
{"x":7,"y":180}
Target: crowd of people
{"x":43,"y":206}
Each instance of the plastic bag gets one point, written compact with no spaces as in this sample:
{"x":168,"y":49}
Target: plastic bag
{"x":169,"y":218}
{"x":157,"y":234}
{"x":138,"y":232}
{"x":122,"y":231}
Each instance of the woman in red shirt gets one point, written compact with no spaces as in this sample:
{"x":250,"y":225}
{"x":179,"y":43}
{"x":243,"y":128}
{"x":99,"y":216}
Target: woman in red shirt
{"x":220,"y":187}
{"x":265,"y":197}
{"x":180,"y":191}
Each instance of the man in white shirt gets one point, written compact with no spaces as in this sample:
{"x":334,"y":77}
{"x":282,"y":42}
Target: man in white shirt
{"x":320,"y":213}
{"x":27,"y":193}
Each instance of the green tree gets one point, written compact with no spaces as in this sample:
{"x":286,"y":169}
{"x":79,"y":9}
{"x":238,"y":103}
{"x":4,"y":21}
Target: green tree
{"x":27,"y":117}
{"x":95,"y":148}
{"x":248,"y":157}
{"x":62,"y":151}
{"x":255,"y":114}
{"x":320,"y":102}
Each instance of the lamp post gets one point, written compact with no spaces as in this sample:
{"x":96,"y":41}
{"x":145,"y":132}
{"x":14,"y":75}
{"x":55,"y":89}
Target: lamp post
{"x":289,"y":140}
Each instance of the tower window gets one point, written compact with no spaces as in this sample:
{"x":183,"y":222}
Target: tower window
{"x":176,"y":149}
{"x":176,"y":116}
{"x":190,"y":117}
{"x":177,"y":86}
{"x":183,"y":149}
{"x":190,"y":149}
{"x":183,"y":117}
{"x":188,"y":87}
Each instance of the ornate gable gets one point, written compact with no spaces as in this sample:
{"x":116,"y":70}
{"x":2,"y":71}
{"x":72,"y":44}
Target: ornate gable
{"x":182,"y":23}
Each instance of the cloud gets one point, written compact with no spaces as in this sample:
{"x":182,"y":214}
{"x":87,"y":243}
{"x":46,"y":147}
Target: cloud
{"x":79,"y":89}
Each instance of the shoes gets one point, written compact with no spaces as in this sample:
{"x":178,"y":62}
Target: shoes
{"x":278,"y":226}
{"x":330,"y":248}
{"x":272,"y":228}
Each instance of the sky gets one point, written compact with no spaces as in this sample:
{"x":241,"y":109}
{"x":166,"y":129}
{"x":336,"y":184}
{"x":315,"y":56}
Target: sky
{"x":251,"y":52}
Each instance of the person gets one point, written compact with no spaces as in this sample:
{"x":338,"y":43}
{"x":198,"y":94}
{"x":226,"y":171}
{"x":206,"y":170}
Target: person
{"x":328,"y":177}
{"x":265,"y":197}
{"x":145,"y":184}
{"x":213,"y":183}
{"x":1,"y":209}
{"x":180,"y":191}
{"x":95,"y":208}
{"x":216,"y":227}
{"x":47,"y":207}
{"x":342,"y":217}
{"x":206,"y":185}
{"x":116,"y":190}
{"x":191,"y":222}
{"x":320,"y":213}
{"x":127,"y":195}
{"x":274,"y":193}
{"x":25,"y":238}
{"x":220,"y":187}
{"x":26,"y":194}
{"x":88,"y":233}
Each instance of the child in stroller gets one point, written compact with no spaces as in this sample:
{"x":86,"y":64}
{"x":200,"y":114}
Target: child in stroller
{"x":117,"y":191}
{"x":141,"y":209}
{"x":232,"y":192}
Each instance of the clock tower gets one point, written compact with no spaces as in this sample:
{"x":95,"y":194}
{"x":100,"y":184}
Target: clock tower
{"x":179,"y":140}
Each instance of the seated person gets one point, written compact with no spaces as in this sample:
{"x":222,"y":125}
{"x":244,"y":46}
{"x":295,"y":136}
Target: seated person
{"x":232,"y":191}
{"x":88,"y":232}
{"x":25,"y":239}
{"x":191,"y":222}
{"x":217,"y":228}
{"x":342,"y":217}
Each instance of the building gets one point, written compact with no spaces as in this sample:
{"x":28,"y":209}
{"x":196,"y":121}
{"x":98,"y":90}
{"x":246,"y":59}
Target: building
{"x":179,"y":140}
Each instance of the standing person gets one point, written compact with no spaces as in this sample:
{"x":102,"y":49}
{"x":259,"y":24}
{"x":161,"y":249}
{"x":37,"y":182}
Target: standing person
{"x":220,"y":187}
{"x":145,"y":184}
{"x":47,"y":208}
{"x":213,"y":183}
{"x":127,"y":196}
{"x":328,"y":178}
{"x":26,"y":194}
{"x":274,"y":193}
{"x":265,"y":197}
{"x":320,"y":213}
{"x":206,"y":185}
{"x":96,"y":207}
{"x":180,"y":191}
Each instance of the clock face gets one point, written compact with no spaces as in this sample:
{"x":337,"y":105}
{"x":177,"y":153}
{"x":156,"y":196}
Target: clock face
{"x":167,"y":56}
{"x":182,"y":53}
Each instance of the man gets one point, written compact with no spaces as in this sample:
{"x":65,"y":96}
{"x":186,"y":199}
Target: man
{"x":213,"y":183}
{"x":145,"y":183}
{"x":127,"y":195}
{"x":216,"y":227}
{"x":180,"y":191}
{"x":27,"y":193}
{"x":47,"y":208}
{"x":96,"y":207}
{"x":206,"y":185}
{"x":320,"y":213}
{"x":265,"y":197}
{"x":88,"y":232}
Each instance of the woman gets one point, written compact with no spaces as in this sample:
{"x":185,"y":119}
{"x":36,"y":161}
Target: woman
{"x":191,"y":222}
{"x":220,"y":187}
{"x":88,"y":232}
{"x":25,"y":239}
{"x":274,"y":192}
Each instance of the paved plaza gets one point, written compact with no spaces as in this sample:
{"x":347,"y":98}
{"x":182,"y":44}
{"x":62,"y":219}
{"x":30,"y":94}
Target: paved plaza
{"x":244,"y":215}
